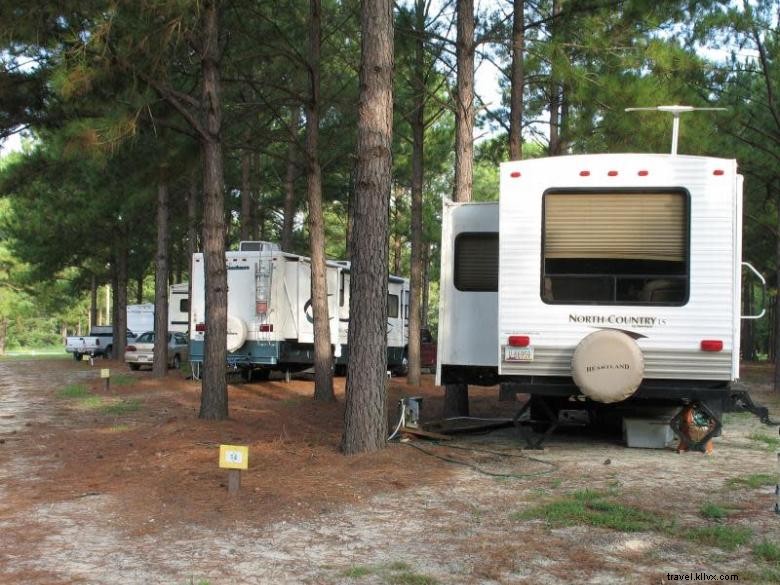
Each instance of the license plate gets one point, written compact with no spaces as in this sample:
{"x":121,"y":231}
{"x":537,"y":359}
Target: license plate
{"x":518,"y":354}
{"x":143,"y":358}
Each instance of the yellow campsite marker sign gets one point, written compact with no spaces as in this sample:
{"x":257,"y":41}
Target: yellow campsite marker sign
{"x":105,"y":373}
{"x":233,"y":457}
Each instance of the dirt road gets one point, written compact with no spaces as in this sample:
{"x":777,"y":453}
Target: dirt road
{"x":123,"y":487}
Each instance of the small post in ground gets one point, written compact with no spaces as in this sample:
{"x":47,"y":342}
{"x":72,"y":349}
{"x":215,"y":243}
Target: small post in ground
{"x":234,"y":458}
{"x":105,"y":374}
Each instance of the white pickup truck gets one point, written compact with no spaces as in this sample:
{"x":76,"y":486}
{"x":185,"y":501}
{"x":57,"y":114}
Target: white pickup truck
{"x":100,"y":341}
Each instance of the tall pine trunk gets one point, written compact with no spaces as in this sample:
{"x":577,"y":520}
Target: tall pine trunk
{"x":160,"y":363}
{"x":246,"y":194}
{"x":555,"y":88}
{"x":93,"y":302}
{"x":464,"y":104}
{"x":518,"y":82}
{"x":214,"y":397}
{"x":120,"y":296}
{"x":365,"y":417}
{"x":418,"y":145}
{"x":323,"y":357}
{"x":289,"y":184}
{"x":456,"y":396}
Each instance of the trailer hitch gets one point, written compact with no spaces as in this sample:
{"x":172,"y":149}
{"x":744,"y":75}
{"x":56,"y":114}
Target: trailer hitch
{"x":740,"y":401}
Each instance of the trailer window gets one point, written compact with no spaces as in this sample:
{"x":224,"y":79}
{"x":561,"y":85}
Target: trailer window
{"x":392,"y":306}
{"x":184,"y":306}
{"x":616,"y":247}
{"x":476,"y":261}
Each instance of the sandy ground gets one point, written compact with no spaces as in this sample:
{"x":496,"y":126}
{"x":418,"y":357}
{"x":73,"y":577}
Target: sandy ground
{"x":123,"y":487}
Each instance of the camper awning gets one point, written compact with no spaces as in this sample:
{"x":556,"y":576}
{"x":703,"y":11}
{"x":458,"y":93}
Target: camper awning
{"x":641,"y":226}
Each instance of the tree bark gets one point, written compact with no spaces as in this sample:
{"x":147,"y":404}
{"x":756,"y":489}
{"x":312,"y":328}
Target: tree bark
{"x":289,"y":184}
{"x":464,"y":104}
{"x":456,"y":396}
{"x":418,"y":160}
{"x":3,"y":334}
{"x":246,"y":195}
{"x":323,"y":356}
{"x":93,"y":302}
{"x":160,"y":363}
{"x":214,"y":396}
{"x":365,"y":418}
{"x":555,"y":89}
{"x":120,"y":298}
{"x":518,"y":82}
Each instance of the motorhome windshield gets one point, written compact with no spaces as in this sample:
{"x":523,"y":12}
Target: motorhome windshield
{"x":615,"y":247}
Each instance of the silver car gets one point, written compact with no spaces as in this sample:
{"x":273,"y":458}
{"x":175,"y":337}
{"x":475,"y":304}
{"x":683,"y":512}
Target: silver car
{"x":141,"y":351}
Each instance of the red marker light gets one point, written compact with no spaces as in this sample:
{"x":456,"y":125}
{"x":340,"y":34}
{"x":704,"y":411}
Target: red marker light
{"x":584,"y":173}
{"x":612,"y":173}
{"x":266,"y":328}
{"x":200,"y":327}
{"x":711,"y":345}
{"x":515,"y":174}
{"x":718,"y":172}
{"x":643,"y":173}
{"x":519,"y":340}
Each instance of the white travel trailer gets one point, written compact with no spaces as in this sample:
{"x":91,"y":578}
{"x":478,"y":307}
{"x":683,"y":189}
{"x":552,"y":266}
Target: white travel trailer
{"x":270,"y":320}
{"x":140,"y":318}
{"x":179,"y":307}
{"x":597,"y":279}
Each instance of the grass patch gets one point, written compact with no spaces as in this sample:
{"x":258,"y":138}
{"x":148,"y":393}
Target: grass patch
{"x":91,"y":402}
{"x":767,"y":551}
{"x":395,"y":573}
{"x":719,"y":535}
{"x":73,"y":391}
{"x":771,"y":443}
{"x":358,"y":571}
{"x":764,"y":575}
{"x":121,"y":407}
{"x":712,"y":511}
{"x":735,"y":417}
{"x":122,"y":380}
{"x":594,"y":508}
{"x":410,"y":578}
{"x":755,"y":480}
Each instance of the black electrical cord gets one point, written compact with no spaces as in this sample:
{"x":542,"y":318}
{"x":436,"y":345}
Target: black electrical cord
{"x":553,"y":466}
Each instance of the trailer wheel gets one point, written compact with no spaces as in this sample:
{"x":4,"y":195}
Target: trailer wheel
{"x":77,"y":356}
{"x":107,"y":354}
{"x":176,"y":362}
{"x":607,"y":366}
{"x":134,"y":367}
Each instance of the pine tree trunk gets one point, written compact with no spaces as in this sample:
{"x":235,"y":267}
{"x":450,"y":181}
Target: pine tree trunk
{"x":246,"y":195}
{"x":93,"y":302}
{"x":418,"y":145}
{"x":555,"y":90}
{"x":323,"y":356}
{"x":456,"y":396}
{"x":365,"y":418}
{"x":160,"y":364}
{"x":518,"y":82}
{"x":120,"y":298}
{"x":3,"y":334}
{"x":289,"y":184}
{"x":214,"y":397}
{"x":464,"y":104}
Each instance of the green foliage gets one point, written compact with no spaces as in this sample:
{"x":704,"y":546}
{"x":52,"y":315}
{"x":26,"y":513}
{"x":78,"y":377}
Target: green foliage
{"x":121,"y":407}
{"x":73,"y":391}
{"x":767,"y":551}
{"x":594,"y":508}
{"x":753,"y":481}
{"x":720,"y":536}
{"x":712,"y":511}
{"x":769,"y":442}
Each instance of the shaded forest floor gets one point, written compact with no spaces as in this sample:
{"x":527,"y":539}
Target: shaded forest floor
{"x":123,"y":487}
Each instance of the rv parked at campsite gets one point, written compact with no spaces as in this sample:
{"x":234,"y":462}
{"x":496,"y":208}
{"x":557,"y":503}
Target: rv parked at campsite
{"x":270,"y":319}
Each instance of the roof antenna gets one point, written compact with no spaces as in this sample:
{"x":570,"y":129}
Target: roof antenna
{"x":674,"y":111}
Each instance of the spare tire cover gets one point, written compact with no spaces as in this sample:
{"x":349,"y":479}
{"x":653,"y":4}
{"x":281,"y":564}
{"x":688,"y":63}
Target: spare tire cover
{"x":607,"y":366}
{"x":236,"y":333}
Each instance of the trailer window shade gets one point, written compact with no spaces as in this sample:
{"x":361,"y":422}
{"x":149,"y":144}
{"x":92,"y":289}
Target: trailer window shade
{"x":476,"y":262}
{"x":184,"y":306}
{"x":635,"y":226}
{"x":392,"y":306}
